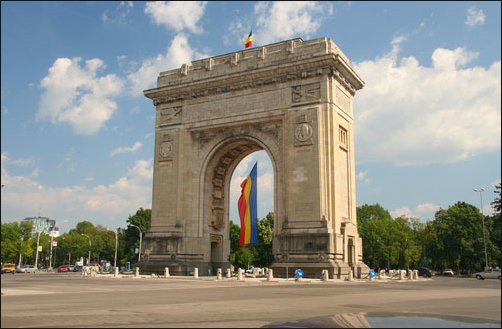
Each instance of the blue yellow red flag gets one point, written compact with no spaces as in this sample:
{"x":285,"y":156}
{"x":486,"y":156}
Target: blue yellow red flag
{"x":249,"y":40}
{"x":247,"y":206}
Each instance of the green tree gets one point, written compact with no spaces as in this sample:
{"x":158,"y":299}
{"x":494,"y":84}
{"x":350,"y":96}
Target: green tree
{"x":129,"y":238}
{"x":459,"y":242}
{"x":16,"y":241}
{"x":495,"y":229}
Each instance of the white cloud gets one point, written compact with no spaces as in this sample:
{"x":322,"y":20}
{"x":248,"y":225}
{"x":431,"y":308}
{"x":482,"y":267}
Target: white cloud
{"x":120,"y":15}
{"x":403,"y":211}
{"x":427,"y":208}
{"x":177,"y":15}
{"x":410,"y":114}
{"x":131,"y":149}
{"x":179,"y":52}
{"x":283,"y":20}
{"x":17,"y":162}
{"x":475,"y":17}
{"x":77,"y":96}
{"x":362,"y":177}
{"x":107,"y":205}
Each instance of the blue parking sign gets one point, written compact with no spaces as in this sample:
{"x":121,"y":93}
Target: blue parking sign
{"x":372,"y":273}
{"x":299,"y":273}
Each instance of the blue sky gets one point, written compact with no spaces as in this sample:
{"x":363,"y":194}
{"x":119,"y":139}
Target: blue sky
{"x":77,"y":132}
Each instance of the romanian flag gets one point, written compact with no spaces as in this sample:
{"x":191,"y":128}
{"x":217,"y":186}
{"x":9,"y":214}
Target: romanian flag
{"x":248,"y":209}
{"x":249,"y":40}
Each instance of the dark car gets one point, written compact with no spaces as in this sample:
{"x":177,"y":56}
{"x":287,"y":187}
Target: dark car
{"x":425,"y":272}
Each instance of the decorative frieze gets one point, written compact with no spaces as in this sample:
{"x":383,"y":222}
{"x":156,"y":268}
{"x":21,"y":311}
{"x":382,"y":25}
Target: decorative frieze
{"x":195,"y":92}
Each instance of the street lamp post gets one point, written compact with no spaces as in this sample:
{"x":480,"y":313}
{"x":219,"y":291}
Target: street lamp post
{"x":50,"y":249}
{"x":89,"y":259}
{"x":480,"y":190}
{"x":116,"y":246}
{"x":36,"y":254}
{"x":140,"y":240}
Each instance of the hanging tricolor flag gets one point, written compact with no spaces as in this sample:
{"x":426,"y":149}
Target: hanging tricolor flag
{"x":249,"y":40}
{"x":248,"y":209}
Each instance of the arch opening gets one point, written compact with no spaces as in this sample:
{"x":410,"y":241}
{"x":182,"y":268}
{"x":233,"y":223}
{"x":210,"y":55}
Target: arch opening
{"x":226,"y":168}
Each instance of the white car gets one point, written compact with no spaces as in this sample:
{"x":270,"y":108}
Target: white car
{"x":493,"y":273}
{"x":448,"y":272}
{"x":26,"y":269}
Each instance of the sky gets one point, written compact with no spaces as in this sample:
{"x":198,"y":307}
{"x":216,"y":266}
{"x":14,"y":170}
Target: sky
{"x":77,"y":134}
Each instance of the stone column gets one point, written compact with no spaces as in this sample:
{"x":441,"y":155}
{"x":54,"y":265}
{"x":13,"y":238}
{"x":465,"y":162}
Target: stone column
{"x":136,"y":271}
{"x":116,"y":272}
{"x":166,"y":272}
{"x":195,"y":272}
{"x":324,"y":275}
{"x":229,"y":273}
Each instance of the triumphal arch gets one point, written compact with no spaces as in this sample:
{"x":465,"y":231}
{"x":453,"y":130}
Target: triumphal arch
{"x":293,"y":99}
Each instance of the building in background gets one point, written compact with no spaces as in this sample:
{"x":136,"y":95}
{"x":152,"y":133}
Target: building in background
{"x":43,"y":225}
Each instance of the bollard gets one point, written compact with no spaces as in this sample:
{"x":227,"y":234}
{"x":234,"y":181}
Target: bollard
{"x":166,"y":272}
{"x":195,"y":272}
{"x":270,"y":274}
{"x":136,"y":271}
{"x":324,"y":275}
{"x":401,"y":275}
{"x":116,"y":272}
{"x":351,"y":276}
{"x":229,"y":273}
{"x":218,"y":274}
{"x":239,"y":274}
{"x":410,"y":275}
{"x":380,"y":275}
{"x":415,"y":274}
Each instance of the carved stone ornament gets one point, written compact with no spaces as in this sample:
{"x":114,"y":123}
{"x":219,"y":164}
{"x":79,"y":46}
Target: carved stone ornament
{"x":303,"y":132}
{"x":170,"y":116}
{"x":306,"y":93}
{"x":166,"y":149}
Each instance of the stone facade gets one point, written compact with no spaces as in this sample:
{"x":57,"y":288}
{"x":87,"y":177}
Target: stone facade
{"x":292,"y":99}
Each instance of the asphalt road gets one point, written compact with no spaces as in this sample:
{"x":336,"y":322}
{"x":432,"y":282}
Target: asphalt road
{"x":69,"y":300}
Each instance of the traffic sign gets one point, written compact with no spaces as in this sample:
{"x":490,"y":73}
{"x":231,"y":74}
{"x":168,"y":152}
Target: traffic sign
{"x":299,"y":273}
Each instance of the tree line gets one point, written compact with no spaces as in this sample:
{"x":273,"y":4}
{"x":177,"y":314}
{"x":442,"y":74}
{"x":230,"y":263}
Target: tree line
{"x":453,"y":239}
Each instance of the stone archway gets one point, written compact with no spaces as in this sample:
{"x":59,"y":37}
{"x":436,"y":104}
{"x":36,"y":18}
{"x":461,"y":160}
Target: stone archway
{"x":292,"y":99}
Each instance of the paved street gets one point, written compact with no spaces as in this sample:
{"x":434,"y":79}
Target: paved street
{"x":69,"y":300}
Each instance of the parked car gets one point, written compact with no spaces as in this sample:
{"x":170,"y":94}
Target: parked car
{"x":26,"y":269}
{"x":493,"y":273}
{"x":63,"y":268}
{"x":72,"y":268}
{"x":8,"y":268}
{"x":78,"y":268}
{"x":426,"y":272}
{"x":448,"y":272}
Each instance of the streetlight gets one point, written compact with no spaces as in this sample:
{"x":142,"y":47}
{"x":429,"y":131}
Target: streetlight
{"x":116,"y":246}
{"x":50,"y":252}
{"x":480,"y":190}
{"x":38,"y":243}
{"x":140,"y":238}
{"x":89,"y":259}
